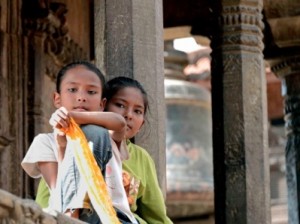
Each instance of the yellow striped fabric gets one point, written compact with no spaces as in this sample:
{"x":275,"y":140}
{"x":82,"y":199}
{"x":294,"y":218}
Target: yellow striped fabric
{"x":90,"y":171}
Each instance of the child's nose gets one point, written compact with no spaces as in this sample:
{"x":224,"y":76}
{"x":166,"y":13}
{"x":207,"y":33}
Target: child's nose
{"x":81,"y":97}
{"x":128,"y":114}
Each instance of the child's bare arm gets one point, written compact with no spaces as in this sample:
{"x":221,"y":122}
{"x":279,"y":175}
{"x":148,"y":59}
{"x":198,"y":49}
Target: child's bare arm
{"x":49,"y":172}
{"x":109,"y":120}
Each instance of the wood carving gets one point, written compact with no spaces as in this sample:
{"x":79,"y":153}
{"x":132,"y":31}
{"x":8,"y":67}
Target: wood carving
{"x":4,"y":141}
{"x":52,"y":27}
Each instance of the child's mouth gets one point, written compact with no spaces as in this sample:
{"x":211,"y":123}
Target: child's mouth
{"x":80,"y":109}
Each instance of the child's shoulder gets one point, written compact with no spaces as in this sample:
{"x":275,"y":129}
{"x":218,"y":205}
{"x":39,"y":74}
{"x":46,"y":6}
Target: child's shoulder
{"x":137,"y":150}
{"x":44,"y":137}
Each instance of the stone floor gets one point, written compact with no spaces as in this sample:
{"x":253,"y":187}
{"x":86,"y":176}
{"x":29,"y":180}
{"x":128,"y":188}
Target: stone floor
{"x":278,"y":213}
{"x":200,"y":220}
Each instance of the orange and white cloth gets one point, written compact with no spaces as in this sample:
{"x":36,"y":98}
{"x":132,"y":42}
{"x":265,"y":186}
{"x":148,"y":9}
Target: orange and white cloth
{"x":91,"y":173}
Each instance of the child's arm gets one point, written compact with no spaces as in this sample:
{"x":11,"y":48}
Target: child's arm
{"x":49,"y":172}
{"x":109,"y":120}
{"x":40,"y":159}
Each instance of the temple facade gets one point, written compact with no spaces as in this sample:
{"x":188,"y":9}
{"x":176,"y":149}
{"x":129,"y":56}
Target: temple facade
{"x":127,"y":38}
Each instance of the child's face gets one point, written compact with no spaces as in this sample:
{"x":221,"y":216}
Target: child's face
{"x":129,"y":102}
{"x":81,"y":90}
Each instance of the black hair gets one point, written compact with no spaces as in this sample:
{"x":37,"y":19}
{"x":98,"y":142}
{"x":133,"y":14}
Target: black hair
{"x":86,"y":64}
{"x":114,"y":85}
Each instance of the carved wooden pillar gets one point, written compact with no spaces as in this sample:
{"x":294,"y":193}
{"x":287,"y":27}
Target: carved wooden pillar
{"x":241,"y":168}
{"x":11,"y":97}
{"x":47,"y":47}
{"x":129,"y":42}
{"x":289,"y":70}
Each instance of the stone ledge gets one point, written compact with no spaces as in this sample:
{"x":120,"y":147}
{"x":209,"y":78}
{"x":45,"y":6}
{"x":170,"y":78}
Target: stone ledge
{"x":17,"y":210}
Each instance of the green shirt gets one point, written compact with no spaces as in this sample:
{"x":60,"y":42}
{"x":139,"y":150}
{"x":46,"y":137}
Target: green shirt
{"x":143,"y":191}
{"x":148,"y":205}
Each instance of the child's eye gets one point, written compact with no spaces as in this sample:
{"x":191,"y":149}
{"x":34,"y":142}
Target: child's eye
{"x":92,"y":92}
{"x":120,"y":105}
{"x":72,"y":90}
{"x":140,"y":112}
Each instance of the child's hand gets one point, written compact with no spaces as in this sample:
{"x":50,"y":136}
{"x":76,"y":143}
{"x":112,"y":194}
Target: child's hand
{"x":60,"y":118}
{"x":60,"y":138}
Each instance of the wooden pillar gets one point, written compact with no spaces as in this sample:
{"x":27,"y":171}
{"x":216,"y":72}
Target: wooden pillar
{"x":241,"y":168}
{"x":48,"y":45}
{"x":289,"y":70}
{"x":11,"y":98}
{"x":129,"y":42}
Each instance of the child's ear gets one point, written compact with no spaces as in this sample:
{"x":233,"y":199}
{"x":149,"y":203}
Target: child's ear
{"x":56,"y":100}
{"x":102,"y":104}
{"x":141,"y":126}
{"x":142,"y":123}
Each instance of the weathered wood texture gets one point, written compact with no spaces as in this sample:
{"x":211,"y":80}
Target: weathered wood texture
{"x":11,"y":97}
{"x":241,"y":168}
{"x":35,"y":43}
{"x":128,"y":42}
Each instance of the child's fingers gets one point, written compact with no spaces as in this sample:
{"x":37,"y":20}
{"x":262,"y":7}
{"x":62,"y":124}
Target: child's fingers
{"x":56,"y":121}
{"x":62,"y":118}
{"x":62,"y":113}
{"x":59,"y":119}
{"x":60,"y":122}
{"x":59,"y":132}
{"x":64,"y":110}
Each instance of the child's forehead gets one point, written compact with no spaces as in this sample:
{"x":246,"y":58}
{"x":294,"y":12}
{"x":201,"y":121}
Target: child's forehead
{"x":131,"y":94}
{"x":130,"y":90}
{"x":79,"y":74}
{"x":80,"y":69}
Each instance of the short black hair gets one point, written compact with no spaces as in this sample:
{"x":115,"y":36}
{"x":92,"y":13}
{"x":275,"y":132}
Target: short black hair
{"x":74,"y":64}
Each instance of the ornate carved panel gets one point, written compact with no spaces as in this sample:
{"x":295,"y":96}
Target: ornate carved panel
{"x":50,"y":46}
{"x":11,"y":114}
{"x":35,"y":42}
{"x":4,"y":141}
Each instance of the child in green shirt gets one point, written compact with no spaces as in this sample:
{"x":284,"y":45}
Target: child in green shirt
{"x":128,"y":98}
